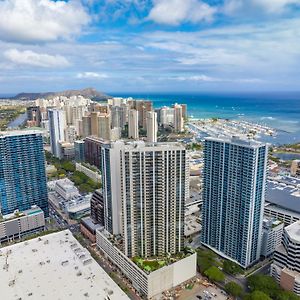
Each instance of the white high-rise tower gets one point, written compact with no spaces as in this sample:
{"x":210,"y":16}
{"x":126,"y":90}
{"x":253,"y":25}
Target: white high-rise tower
{"x":145,"y":187}
{"x":57,"y":125}
{"x":133,"y":124}
{"x":151,"y":121}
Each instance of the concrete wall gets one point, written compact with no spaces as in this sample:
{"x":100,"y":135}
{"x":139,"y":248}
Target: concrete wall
{"x":156,"y":282}
{"x":19,"y":226}
{"x":88,"y":172}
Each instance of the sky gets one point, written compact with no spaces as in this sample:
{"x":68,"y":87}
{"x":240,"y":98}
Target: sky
{"x":149,"y":46}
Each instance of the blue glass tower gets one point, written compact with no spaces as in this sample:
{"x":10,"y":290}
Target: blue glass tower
{"x":234,"y":181}
{"x":22,"y":172}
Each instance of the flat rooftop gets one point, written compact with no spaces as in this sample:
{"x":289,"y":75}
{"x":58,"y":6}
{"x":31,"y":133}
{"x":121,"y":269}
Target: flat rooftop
{"x":237,"y":140}
{"x":53,"y":267}
{"x":4,"y":134}
{"x":284,"y":194}
{"x":293,"y":231}
{"x":29,"y":212}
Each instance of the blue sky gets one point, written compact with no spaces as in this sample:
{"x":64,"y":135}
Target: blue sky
{"x":150,"y":45}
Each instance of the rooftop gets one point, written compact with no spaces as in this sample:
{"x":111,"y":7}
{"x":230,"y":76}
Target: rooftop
{"x":236,"y":140}
{"x":284,"y":193}
{"x":293,"y":231}
{"x":88,"y":222}
{"x":4,"y":134}
{"x":54,"y":267}
{"x":18,"y":214}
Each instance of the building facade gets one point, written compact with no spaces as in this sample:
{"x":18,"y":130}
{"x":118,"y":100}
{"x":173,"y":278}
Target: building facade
{"x":145,"y":187}
{"x":233,"y":198}
{"x":34,"y":116}
{"x":286,"y":260}
{"x":92,"y":151}
{"x":22,"y":172}
{"x":79,"y":150}
{"x":104,"y":126}
{"x":153,"y":283}
{"x":271,"y":236}
{"x":152,"y":127}
{"x":15,"y":226}
{"x":133,"y":124}
{"x":97,"y":207}
{"x":57,"y":125}
{"x":178,"y":118}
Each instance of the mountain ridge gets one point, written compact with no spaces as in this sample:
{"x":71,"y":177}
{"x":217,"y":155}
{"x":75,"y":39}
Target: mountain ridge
{"x":87,"y":93}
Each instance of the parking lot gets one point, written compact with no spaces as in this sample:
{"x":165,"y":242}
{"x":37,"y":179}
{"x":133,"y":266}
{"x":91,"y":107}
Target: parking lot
{"x":199,"y":291}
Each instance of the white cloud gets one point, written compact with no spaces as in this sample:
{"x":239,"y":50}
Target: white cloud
{"x":201,"y":77}
{"x":91,"y":75}
{"x":275,"y":6}
{"x":262,"y":6}
{"x":40,"y":20}
{"x":175,"y":12}
{"x":205,"y":78}
{"x":32,"y":58}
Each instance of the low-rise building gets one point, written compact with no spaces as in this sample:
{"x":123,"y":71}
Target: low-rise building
{"x":145,"y":281}
{"x":65,"y":188}
{"x":16,"y":225}
{"x":287,"y":216}
{"x":54,"y":266}
{"x":283,"y":199}
{"x":271,"y":236}
{"x":295,"y":167}
{"x":286,"y":264}
{"x":77,"y":207}
{"x":88,"y":228}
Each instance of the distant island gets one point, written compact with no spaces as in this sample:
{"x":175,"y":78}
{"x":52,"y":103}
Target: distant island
{"x":87,"y":93}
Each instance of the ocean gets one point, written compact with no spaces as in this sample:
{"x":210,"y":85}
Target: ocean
{"x":280,"y":111}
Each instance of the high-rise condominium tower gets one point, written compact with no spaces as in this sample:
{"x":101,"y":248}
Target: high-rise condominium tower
{"x":178,"y":118}
{"x":133,"y":124}
{"x":151,"y":126}
{"x":94,"y":123}
{"x":104,"y":124}
{"x":144,"y":191}
{"x":234,"y":180}
{"x":86,"y":126}
{"x":22,"y":172}
{"x":57,"y":125}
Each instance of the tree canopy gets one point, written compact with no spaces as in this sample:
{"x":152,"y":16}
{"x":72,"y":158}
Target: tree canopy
{"x":232,"y":268}
{"x":214,"y":274}
{"x":265,"y":284}
{"x":257,"y":295}
{"x":233,"y":289}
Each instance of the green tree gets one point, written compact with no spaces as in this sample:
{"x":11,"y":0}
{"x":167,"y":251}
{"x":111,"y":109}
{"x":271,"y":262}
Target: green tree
{"x":257,"y":295}
{"x":68,"y":166}
{"x":82,"y":176}
{"x":84,"y":187}
{"x":232,"y":268}
{"x":233,"y":289}
{"x":92,"y":183}
{"x":77,"y":180}
{"x":214,"y":274}
{"x":264,"y":284}
{"x":285,"y":295}
{"x":205,"y":259}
